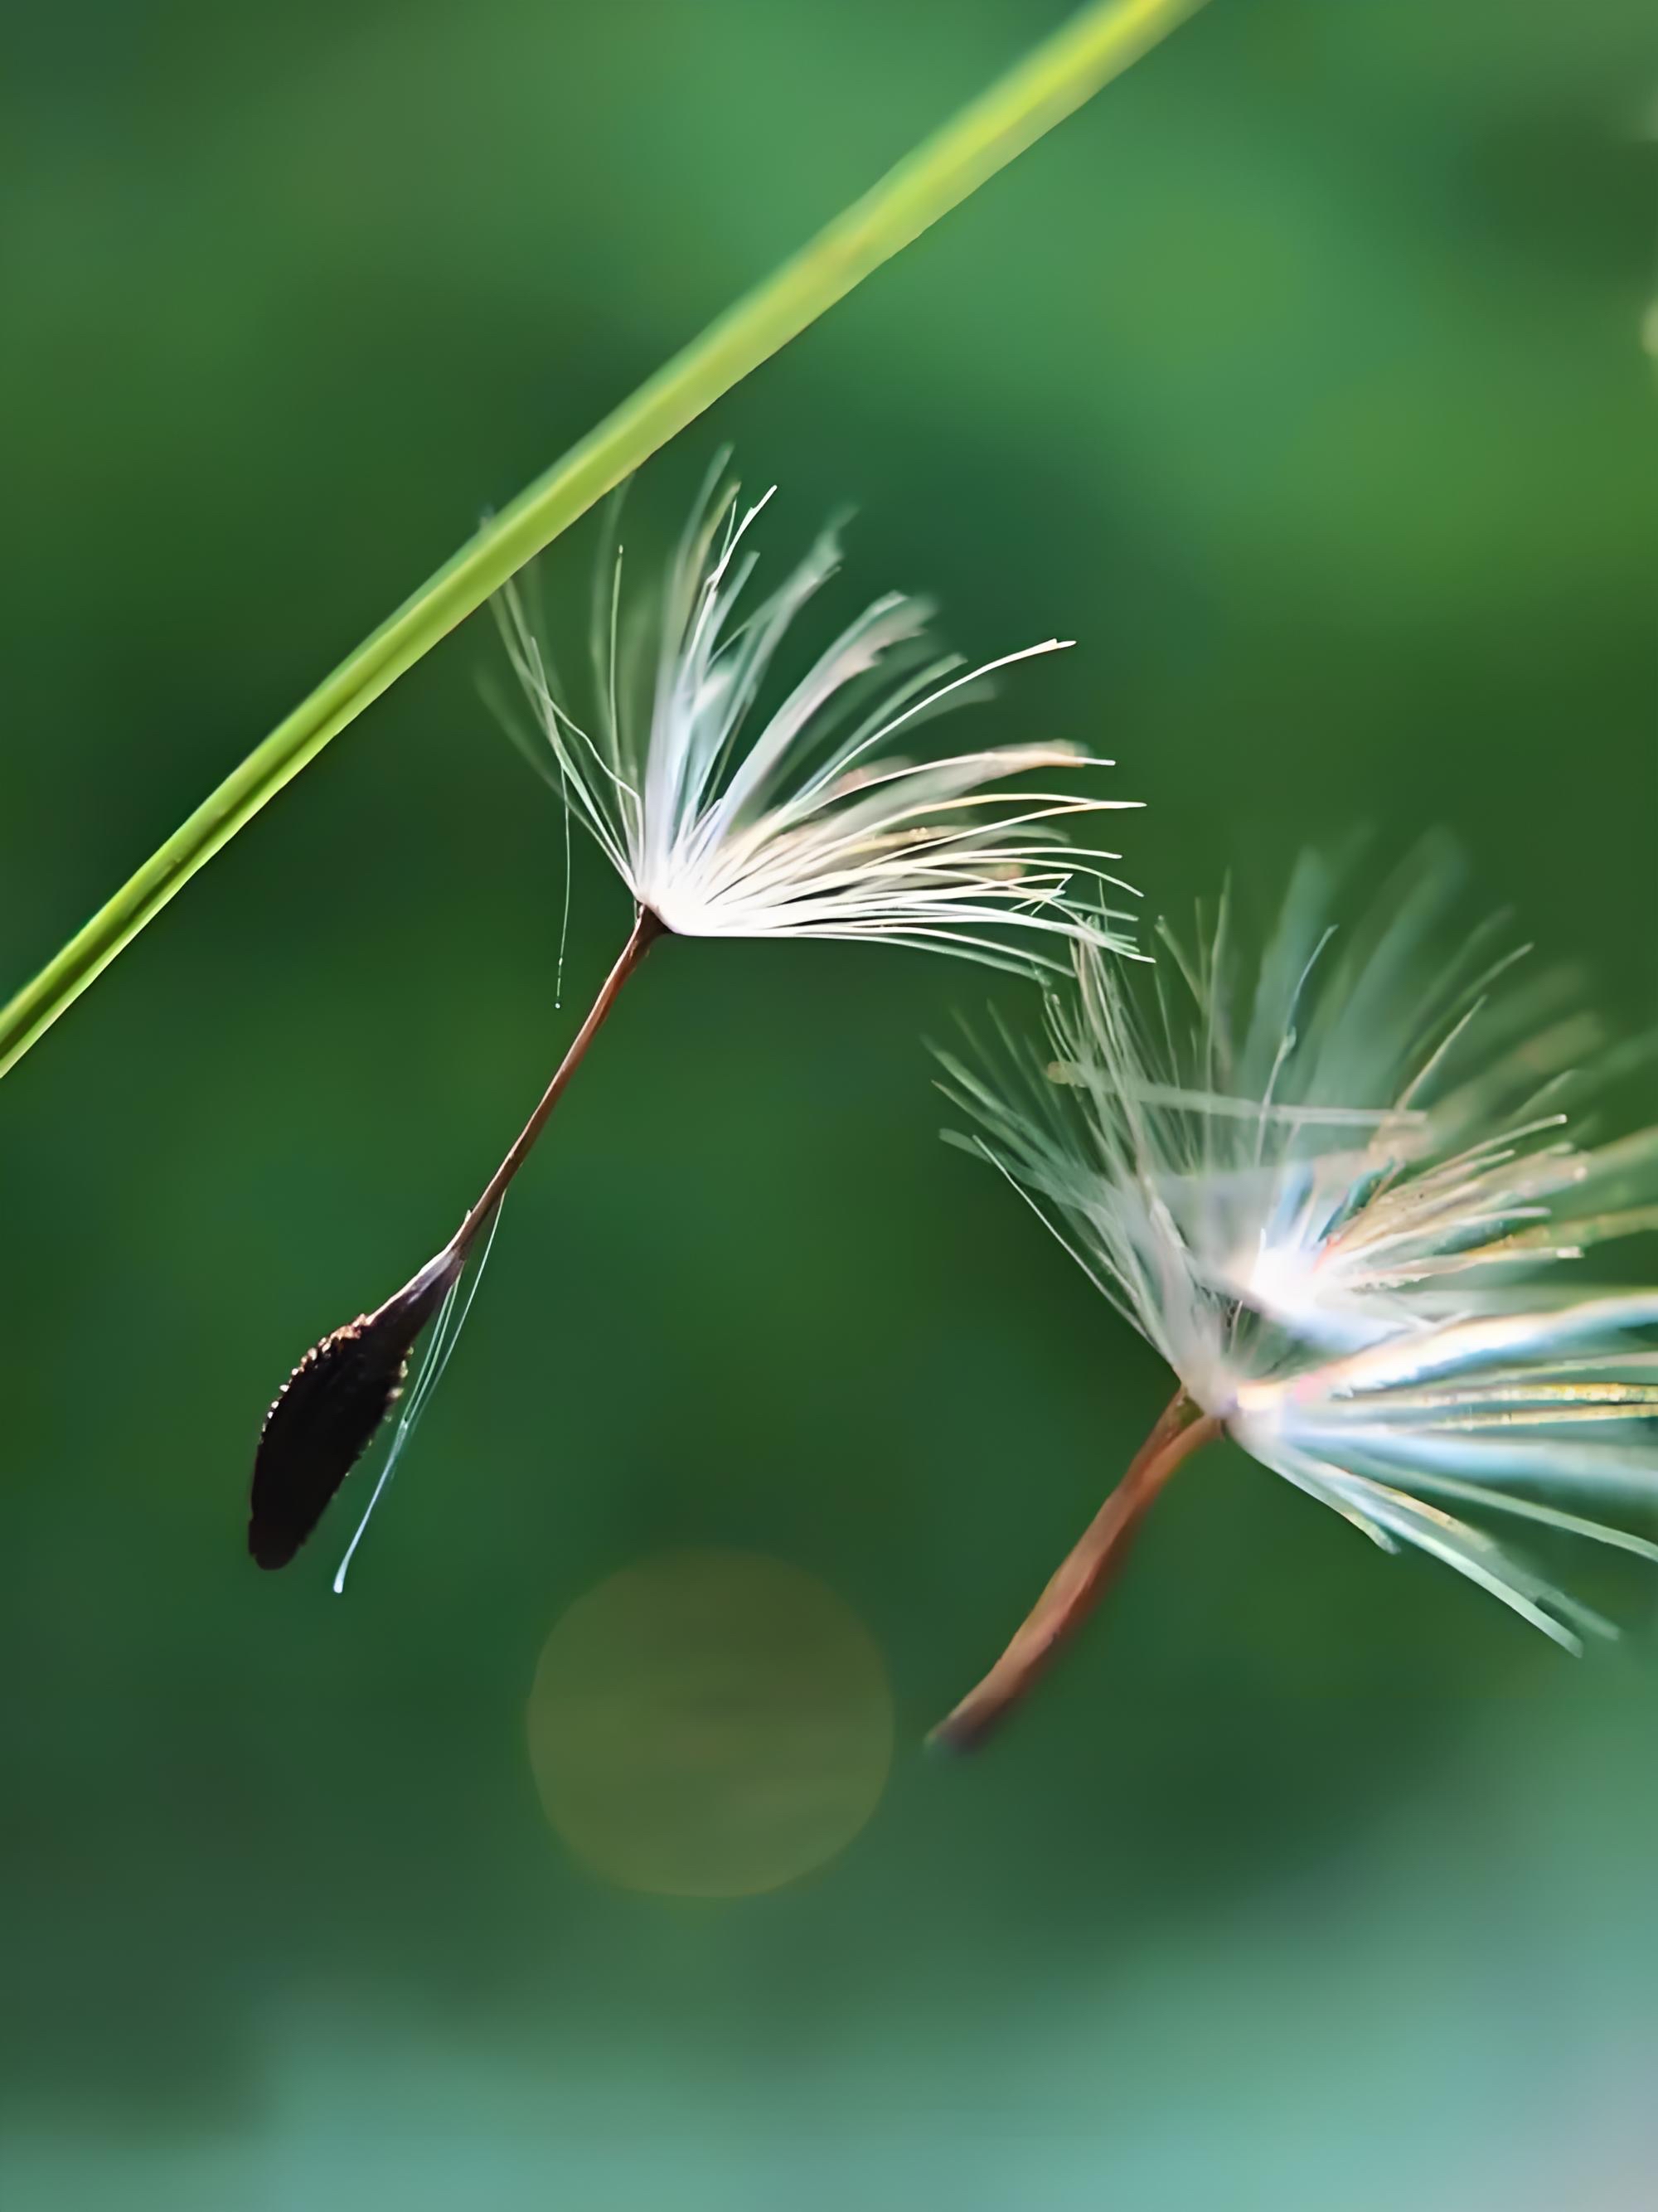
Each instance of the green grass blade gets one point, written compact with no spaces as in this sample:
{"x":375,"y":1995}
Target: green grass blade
{"x":1052,"y":81}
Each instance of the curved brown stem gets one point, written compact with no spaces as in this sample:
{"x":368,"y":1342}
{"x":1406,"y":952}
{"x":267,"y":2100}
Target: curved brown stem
{"x":1082,"y":1578}
{"x":326,"y":1413}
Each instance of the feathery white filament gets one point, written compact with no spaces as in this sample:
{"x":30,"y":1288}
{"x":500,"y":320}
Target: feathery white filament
{"x":726,"y":818}
{"x":446,"y":1335}
{"x":1328,"y":1195}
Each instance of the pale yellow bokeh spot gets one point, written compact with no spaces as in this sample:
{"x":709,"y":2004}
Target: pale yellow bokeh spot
{"x":709,"y":1724}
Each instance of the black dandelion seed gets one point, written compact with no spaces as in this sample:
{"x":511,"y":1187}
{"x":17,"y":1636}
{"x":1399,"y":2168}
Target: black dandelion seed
{"x":328,"y":1412}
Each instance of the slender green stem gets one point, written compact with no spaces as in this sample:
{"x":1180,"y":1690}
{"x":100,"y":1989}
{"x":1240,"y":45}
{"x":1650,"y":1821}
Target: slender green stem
{"x":1056,"y":78}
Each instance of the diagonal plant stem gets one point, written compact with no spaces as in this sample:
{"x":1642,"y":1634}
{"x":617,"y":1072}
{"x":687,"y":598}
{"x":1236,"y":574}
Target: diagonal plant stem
{"x":1052,"y":81}
{"x":1083,"y":1577}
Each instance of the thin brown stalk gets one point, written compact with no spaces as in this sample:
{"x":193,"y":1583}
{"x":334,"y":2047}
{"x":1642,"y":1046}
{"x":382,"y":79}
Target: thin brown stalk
{"x":327,"y":1413}
{"x":646,"y":931}
{"x":1083,"y":1577}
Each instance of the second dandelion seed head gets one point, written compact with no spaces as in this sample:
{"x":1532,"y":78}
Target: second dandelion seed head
{"x":1335,"y":1186}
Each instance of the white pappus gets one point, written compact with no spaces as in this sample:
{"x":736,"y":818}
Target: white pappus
{"x":1347,"y":1188}
{"x":733,"y":804}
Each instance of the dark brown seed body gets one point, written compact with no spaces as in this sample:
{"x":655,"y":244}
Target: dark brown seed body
{"x":325,"y":1415}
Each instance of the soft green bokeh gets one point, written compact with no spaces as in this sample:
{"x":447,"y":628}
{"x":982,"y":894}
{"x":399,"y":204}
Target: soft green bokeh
{"x":1301,"y":379}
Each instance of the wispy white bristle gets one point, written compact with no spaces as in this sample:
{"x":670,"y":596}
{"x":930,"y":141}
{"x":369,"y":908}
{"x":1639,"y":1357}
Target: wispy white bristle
{"x":728,"y":821}
{"x":452,"y":1316}
{"x":1325,"y":1190}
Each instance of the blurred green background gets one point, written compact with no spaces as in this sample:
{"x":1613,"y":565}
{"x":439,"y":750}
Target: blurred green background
{"x":1300,"y":378}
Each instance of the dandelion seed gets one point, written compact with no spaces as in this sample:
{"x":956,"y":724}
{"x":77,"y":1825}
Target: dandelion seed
{"x":328,"y":1412}
{"x":1340,"y":1198}
{"x":728,"y":813}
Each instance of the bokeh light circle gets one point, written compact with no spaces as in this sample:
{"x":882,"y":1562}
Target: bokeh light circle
{"x":709,"y":1723}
